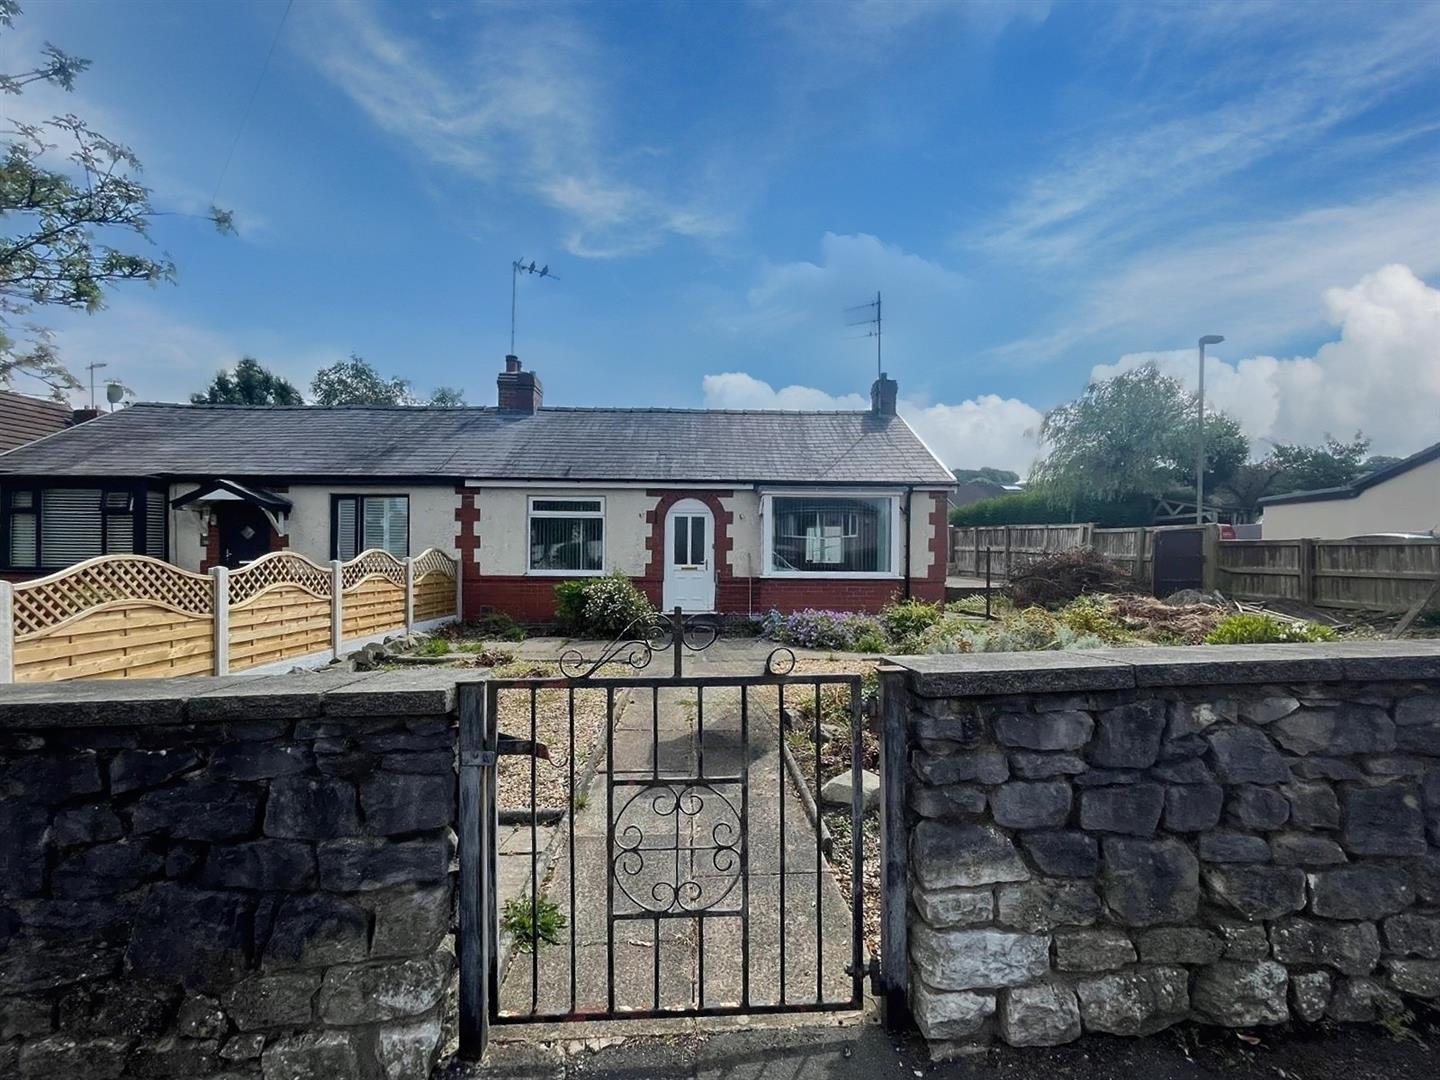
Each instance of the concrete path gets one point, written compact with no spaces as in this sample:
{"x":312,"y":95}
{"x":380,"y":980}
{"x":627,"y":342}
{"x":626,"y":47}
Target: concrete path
{"x":684,"y":855}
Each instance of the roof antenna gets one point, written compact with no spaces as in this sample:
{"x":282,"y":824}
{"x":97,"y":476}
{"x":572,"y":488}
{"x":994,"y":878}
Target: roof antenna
{"x":518,"y":267}
{"x":868,"y":315}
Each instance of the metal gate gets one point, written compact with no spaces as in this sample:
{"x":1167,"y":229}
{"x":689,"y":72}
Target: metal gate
{"x":683,"y":866}
{"x":1179,"y":559}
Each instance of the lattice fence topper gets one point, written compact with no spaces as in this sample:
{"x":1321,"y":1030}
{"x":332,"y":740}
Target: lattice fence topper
{"x":49,"y":601}
{"x":279,"y":568}
{"x":434,"y":561}
{"x":372,"y":563}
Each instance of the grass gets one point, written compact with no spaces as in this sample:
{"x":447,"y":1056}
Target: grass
{"x":528,"y":922}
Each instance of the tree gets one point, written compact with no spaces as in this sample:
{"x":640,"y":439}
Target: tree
{"x":356,"y":382}
{"x":1309,"y":468}
{"x":1376,"y":462}
{"x":994,"y":476}
{"x":251,"y":383}
{"x":1133,"y":434}
{"x":62,"y":202}
{"x":1250,"y":483}
{"x":448,"y":395}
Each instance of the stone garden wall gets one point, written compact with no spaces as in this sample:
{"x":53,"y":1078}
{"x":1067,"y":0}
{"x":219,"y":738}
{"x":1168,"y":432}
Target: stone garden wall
{"x":238,"y":876}
{"x":1116,"y":841}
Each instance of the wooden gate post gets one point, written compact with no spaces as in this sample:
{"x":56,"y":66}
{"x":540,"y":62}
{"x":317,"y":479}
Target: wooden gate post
{"x":478,"y":742}
{"x":220,"y":609}
{"x":337,"y":607}
{"x":1005,"y":566}
{"x":894,"y":850}
{"x":7,"y":632}
{"x":409,"y":594}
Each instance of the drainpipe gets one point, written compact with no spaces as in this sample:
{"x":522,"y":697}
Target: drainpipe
{"x":905,"y":536}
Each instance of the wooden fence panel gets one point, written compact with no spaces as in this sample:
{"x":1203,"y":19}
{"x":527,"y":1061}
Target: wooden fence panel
{"x":433,"y":583}
{"x":1374,"y":575}
{"x":374,"y":605}
{"x":117,"y":640}
{"x":282,"y":622}
{"x":1262,"y":569}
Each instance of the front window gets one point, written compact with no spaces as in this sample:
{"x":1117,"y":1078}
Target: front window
{"x":50,"y":528}
{"x":831,"y":535}
{"x":362,"y":522}
{"x":567,"y":536}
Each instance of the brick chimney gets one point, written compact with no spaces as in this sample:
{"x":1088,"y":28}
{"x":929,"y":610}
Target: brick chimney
{"x":882,"y":395}
{"x":520,"y":391}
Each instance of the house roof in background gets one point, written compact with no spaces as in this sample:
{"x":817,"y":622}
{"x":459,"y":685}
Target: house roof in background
{"x":294,"y":442}
{"x":1355,"y":487}
{"x":24,"y":418}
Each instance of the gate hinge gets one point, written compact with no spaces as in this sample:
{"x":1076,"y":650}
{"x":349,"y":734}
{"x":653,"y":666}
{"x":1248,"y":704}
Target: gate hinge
{"x":505,"y":745}
{"x":871,"y":970}
{"x":483,"y":759}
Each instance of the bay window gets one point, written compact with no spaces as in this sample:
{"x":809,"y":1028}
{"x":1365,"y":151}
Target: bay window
{"x":567,"y":535}
{"x":837,"y":535}
{"x":49,"y":528}
{"x":361,"y":522}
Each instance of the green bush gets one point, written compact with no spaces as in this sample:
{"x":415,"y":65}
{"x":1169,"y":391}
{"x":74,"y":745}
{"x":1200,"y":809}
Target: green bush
{"x":528,"y":922}
{"x":1030,"y":630}
{"x":1094,"y":614}
{"x":1040,"y":508}
{"x":496,"y":626}
{"x":603,"y":607}
{"x":906,"y":620}
{"x":1257,"y":629}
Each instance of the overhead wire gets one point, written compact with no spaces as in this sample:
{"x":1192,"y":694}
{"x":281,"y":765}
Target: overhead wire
{"x":250,"y":104}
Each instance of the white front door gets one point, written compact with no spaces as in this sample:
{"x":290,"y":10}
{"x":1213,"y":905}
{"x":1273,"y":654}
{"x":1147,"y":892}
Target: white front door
{"x":690,"y":557}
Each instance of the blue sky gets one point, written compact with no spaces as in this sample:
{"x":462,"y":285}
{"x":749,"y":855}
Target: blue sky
{"x":1044,"y":192}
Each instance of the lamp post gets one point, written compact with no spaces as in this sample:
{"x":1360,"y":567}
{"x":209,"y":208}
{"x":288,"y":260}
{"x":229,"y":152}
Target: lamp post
{"x":1208,"y":339}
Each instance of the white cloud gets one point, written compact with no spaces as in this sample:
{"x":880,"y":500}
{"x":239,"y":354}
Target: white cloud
{"x":987,"y":430}
{"x":525,"y":108}
{"x":1381,"y":376}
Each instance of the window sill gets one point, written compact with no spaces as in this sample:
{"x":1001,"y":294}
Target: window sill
{"x":565,"y":573}
{"x":832,"y":575}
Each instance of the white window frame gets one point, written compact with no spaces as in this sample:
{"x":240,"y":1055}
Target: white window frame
{"x":531,"y":513}
{"x":767,"y":534}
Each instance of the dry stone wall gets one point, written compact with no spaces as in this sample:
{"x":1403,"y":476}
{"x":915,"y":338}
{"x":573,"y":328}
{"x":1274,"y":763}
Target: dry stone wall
{"x":247,"y":877}
{"x":1115,"y":843}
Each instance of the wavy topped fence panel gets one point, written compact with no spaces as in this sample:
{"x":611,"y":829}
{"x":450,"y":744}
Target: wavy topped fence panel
{"x":50,"y":601}
{"x":372,"y":563}
{"x":279,"y":568}
{"x":434,"y":561}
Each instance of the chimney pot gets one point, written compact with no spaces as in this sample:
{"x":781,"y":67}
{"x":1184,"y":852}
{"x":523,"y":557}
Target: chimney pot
{"x":883,"y":392}
{"x":519,"y":391}
{"x":512,"y":363}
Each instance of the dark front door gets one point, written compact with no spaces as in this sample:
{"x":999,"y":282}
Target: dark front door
{"x":1179,"y":560}
{"x":244,"y":533}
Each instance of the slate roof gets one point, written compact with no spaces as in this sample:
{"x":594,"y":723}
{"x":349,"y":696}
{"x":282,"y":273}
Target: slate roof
{"x":299,"y":442}
{"x":1355,"y":487}
{"x":23,"y":418}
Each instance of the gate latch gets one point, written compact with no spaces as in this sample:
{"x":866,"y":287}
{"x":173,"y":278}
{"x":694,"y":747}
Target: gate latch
{"x":871,"y":970}
{"x":506,"y":745}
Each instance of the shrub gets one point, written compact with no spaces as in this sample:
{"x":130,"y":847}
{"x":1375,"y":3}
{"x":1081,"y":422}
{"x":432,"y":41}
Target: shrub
{"x":1256,"y":629}
{"x":1097,"y":615}
{"x":496,"y":626}
{"x":1038,"y":507}
{"x":528,"y":921}
{"x":570,"y":604}
{"x":613,"y":605}
{"x":816,"y":629}
{"x":906,"y":620}
{"x":1030,"y":630}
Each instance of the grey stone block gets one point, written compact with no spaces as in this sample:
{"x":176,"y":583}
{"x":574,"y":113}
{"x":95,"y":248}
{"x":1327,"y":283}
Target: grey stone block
{"x":952,"y":801}
{"x":172,"y":1056}
{"x":943,"y":908}
{"x":408,"y":1049}
{"x":1133,"y":809}
{"x":1257,"y":892}
{"x":62,"y":1055}
{"x":1242,"y":940}
{"x":983,"y":767}
{"x":1188,"y":771}
{"x":1128,"y":737}
{"x":22,"y":848}
{"x":391,"y":990}
{"x":1067,"y":729}
{"x":1413,"y":934}
{"x":198,"y":810}
{"x":1352,"y":948}
{"x":1034,"y":906}
{"x":1325,"y":768}
{"x":1146,"y":882}
{"x":105,"y":870}
{"x":1362,"y":891}
{"x":275,"y":1000}
{"x":1192,"y":807}
{"x":316,"y":1055}
{"x":1179,"y":945}
{"x":1266,"y":710}
{"x":198,"y":937}
{"x":1313,"y":804}
{"x":242,"y":1047}
{"x":1384,"y":820}
{"x":1242,"y":995}
{"x":84,"y":825}
{"x":24,"y":1016}
{"x":1425,"y":876}
{"x":1031,"y":804}
{"x":1063,"y":854}
{"x":131,"y":770}
{"x":133,"y":1007}
{"x":201,"y":1017}
{"x":410,"y":919}
{"x":978,"y":959}
{"x":1339,"y":729}
{"x":1310,"y":995}
{"x":1305,"y":849}
{"x":258,"y":760}
{"x":407,"y":802}
{"x":944,"y":856}
{"x":1362,"y":1001}
{"x":1140,"y":1001}
{"x":304,"y":808}
{"x":1097,"y":949}
{"x":1032,"y":765}
{"x":1043,"y":1015}
{"x":48,"y":780}
{"x":948,"y":1014}
{"x":1418,"y":978}
{"x":1194,"y":717}
{"x":354,"y":865}
{"x":315,"y":930}
{"x":1244,"y":755}
{"x":280,"y":865}
{"x":1254,"y":807}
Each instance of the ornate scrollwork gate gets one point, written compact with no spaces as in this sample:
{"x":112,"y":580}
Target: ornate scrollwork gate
{"x":701,"y":886}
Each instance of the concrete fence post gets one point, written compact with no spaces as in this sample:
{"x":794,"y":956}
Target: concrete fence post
{"x":7,"y":632}
{"x":220,"y":608}
{"x":337,"y":607}
{"x":460,"y":587}
{"x":409,"y":594}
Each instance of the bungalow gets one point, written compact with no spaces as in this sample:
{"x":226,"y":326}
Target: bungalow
{"x":1400,"y":498}
{"x":709,"y":510}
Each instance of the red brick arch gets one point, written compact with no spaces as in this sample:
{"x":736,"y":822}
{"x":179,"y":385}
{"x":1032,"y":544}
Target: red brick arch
{"x":653,"y":583}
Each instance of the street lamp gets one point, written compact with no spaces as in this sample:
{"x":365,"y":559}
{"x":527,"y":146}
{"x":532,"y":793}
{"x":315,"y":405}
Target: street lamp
{"x":1208,"y":339}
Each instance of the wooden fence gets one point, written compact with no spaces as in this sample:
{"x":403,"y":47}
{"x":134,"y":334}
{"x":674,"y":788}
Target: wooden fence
{"x":130,"y":616}
{"x":1013,"y":547}
{"x":1363,"y":575}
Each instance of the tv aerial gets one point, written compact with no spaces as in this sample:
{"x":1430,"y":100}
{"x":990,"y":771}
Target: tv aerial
{"x":518,"y":267}
{"x":868,"y":315}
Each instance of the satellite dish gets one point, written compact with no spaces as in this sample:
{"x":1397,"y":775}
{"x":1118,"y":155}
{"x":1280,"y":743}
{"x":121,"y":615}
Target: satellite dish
{"x":114,"y":393}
